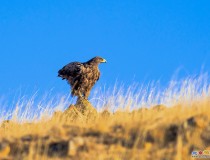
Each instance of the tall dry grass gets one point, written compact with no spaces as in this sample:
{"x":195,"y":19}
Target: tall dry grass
{"x":115,"y":98}
{"x":131,"y":108}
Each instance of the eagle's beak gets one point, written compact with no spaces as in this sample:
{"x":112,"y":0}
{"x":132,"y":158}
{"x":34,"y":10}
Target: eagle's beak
{"x":103,"y":61}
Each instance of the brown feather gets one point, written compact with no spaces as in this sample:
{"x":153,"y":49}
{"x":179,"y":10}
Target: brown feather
{"x":81,"y":76}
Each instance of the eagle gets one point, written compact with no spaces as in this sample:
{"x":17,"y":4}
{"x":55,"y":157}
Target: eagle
{"x":82,"y":76}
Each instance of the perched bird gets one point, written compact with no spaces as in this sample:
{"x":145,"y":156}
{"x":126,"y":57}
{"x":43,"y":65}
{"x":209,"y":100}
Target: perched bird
{"x":82,"y":76}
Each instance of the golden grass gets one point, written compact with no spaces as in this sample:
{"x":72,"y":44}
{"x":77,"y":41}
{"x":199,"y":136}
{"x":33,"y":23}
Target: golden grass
{"x":139,"y":134}
{"x":120,"y":131}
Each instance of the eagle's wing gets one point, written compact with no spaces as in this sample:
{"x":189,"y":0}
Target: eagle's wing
{"x":98,"y":76}
{"x":70,"y":70}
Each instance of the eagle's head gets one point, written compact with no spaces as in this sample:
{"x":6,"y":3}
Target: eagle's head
{"x":97,"y":60}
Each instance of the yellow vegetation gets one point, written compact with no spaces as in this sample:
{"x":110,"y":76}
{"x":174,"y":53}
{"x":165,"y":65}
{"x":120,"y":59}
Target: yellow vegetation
{"x":80,"y":132}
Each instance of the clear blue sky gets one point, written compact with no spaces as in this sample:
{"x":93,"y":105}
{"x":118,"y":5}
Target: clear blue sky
{"x":141,"y":40}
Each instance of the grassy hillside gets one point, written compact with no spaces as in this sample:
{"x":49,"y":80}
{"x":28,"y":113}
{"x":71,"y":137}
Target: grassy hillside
{"x":119,"y":131}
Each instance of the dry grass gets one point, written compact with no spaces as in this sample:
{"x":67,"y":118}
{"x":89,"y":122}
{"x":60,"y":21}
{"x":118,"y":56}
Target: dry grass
{"x":130,"y":125}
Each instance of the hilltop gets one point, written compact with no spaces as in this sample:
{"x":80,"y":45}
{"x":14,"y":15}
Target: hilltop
{"x":158,"y":132}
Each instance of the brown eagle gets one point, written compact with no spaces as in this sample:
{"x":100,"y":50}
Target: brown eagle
{"x":82,"y":76}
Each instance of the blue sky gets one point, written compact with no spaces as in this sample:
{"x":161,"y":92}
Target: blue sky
{"x":142,"y":40}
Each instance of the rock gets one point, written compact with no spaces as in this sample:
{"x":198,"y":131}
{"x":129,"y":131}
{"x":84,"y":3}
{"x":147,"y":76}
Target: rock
{"x":85,"y":107}
{"x":149,"y":138}
{"x":79,"y":141}
{"x":29,"y":138}
{"x":92,"y":133}
{"x":58,"y":149}
{"x":108,"y":139}
{"x":72,"y":149}
{"x":134,"y":138}
{"x":118,"y":129}
{"x":82,"y":110}
{"x":200,"y":121}
{"x":156,"y":135}
{"x":72,"y":113}
{"x":76,"y":144}
{"x":190,"y":122}
{"x":19,"y":149}
{"x":205,"y":136}
{"x":171,"y":134}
